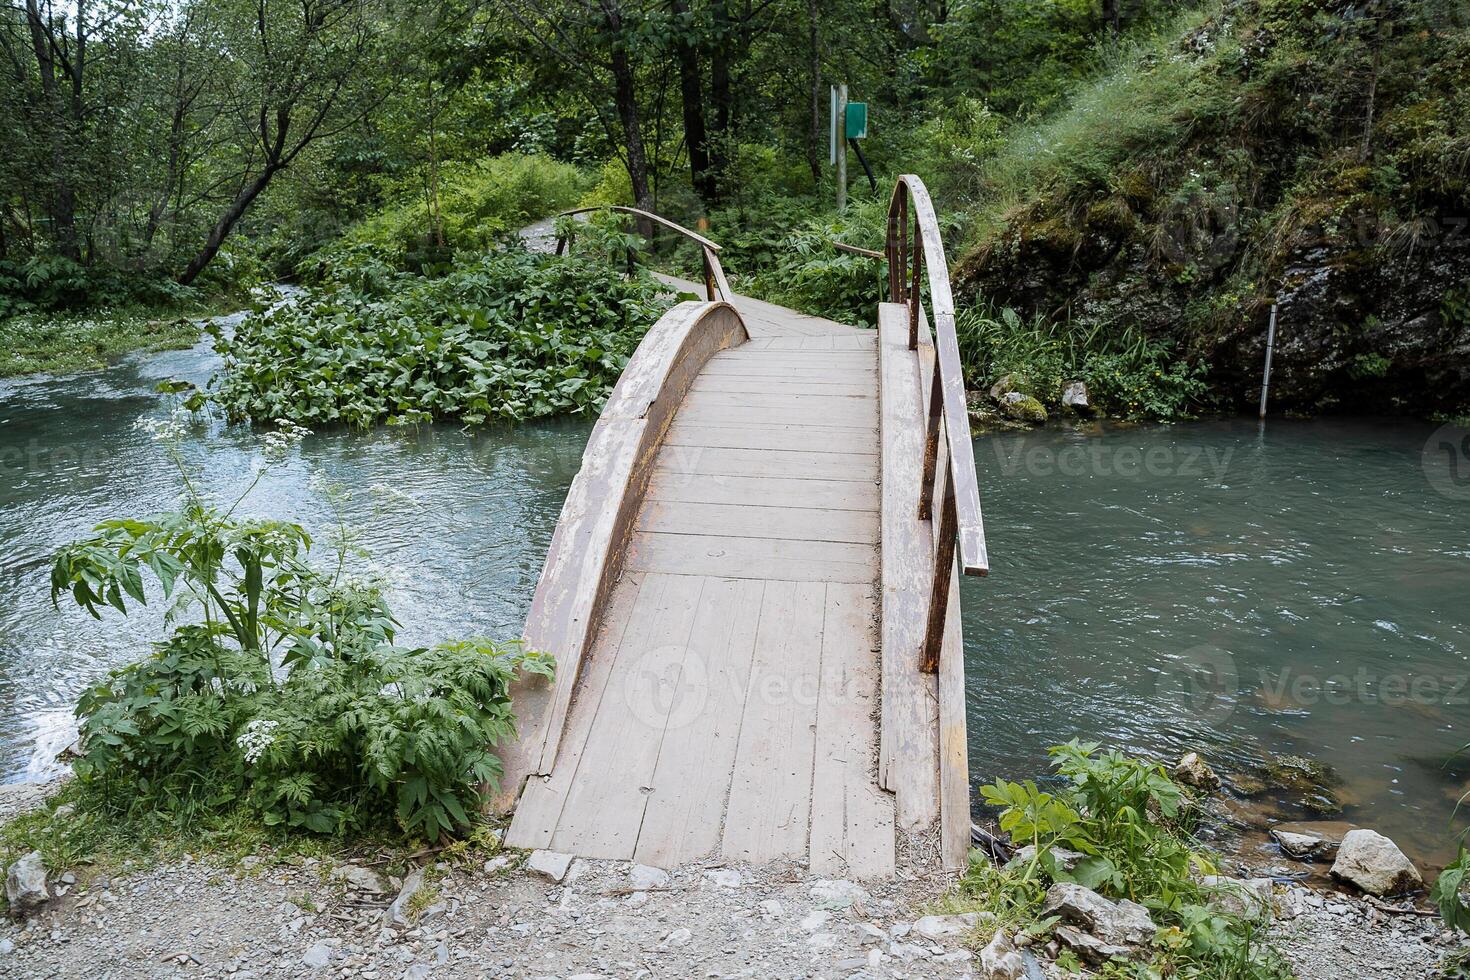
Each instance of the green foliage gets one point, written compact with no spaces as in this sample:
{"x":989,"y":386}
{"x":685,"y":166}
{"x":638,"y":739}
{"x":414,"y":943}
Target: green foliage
{"x":1132,"y":825}
{"x":62,"y":342}
{"x":1126,"y":373}
{"x":507,"y":335}
{"x":49,"y":283}
{"x":479,"y":204}
{"x":284,"y":695}
{"x":1446,"y":893}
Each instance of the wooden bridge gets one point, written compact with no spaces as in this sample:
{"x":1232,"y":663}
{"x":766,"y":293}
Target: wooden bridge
{"x":752,"y":592}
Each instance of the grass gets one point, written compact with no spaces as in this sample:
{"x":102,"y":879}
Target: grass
{"x":53,"y":342}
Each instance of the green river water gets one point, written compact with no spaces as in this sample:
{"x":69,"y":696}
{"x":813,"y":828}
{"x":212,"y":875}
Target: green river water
{"x":1303,"y":589}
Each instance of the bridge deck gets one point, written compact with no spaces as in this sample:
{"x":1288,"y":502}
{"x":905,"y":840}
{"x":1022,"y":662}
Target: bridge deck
{"x":729,"y":702}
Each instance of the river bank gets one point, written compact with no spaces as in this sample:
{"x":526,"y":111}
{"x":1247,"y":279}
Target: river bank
{"x":474,"y":915}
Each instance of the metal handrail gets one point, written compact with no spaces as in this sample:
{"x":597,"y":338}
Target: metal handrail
{"x":959,"y":515}
{"x":716,"y":287}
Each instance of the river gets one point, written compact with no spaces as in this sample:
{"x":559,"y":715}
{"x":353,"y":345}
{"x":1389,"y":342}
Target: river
{"x":1299,"y":589}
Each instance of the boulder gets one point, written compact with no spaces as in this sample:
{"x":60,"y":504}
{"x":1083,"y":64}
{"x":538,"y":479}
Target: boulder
{"x":1023,"y":408}
{"x":25,"y":885}
{"x":1001,"y":960}
{"x":1074,"y":396}
{"x":1302,"y":847}
{"x":1375,"y":864}
{"x":1191,"y":770}
{"x":1121,"y":923}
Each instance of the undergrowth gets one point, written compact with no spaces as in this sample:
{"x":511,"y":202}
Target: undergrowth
{"x":1132,"y":827}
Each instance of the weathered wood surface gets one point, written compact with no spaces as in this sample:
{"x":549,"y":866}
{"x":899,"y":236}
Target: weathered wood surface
{"x":746,"y":683}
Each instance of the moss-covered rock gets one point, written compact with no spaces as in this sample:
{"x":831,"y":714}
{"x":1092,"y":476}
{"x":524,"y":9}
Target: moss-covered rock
{"x":1023,"y":408}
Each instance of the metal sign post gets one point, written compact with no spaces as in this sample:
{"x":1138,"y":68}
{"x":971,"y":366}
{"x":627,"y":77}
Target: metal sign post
{"x":1270,"y":346}
{"x":839,"y":141}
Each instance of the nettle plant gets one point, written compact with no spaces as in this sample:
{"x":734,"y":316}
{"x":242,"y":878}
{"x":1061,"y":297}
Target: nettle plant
{"x":280,"y":688}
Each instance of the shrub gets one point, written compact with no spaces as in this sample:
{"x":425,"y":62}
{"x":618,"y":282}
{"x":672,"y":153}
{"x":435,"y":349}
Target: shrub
{"x":479,"y":205}
{"x":286,"y":695}
{"x":508,"y":335}
{"x":1132,"y":826}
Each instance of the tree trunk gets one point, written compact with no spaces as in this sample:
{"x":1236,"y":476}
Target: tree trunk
{"x":721,"y":95}
{"x":1112,"y":16}
{"x":227,"y":222}
{"x":814,"y":55}
{"x":626,"y":100}
{"x":691,"y":93}
{"x":62,"y":206}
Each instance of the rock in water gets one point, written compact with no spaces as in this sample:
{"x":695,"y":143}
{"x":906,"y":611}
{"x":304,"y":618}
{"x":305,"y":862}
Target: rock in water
{"x":1001,"y":960}
{"x":1192,"y":771}
{"x":1121,"y":923}
{"x":25,"y":885}
{"x":1375,"y":864}
{"x":1302,"y":847}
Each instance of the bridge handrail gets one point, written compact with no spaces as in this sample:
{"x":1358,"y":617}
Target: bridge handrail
{"x":715,"y":285}
{"x":959,"y":518}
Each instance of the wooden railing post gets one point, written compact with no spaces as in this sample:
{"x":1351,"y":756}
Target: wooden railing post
{"x":931,"y":446}
{"x":943,"y":571}
{"x":914,"y":294}
{"x":717,"y":288}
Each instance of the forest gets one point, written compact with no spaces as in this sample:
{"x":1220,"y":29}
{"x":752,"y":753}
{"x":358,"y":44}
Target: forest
{"x":1128,"y":185}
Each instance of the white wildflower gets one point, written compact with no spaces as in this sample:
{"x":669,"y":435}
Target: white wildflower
{"x":286,"y":436}
{"x":169,"y":430}
{"x":258,"y":736}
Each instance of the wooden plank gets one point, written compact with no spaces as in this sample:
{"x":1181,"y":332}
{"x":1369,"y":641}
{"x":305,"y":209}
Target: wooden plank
{"x":908,"y":746}
{"x":814,"y":374}
{"x":696,"y":461}
{"x":738,"y":434}
{"x":604,"y":807}
{"x":954,"y":746}
{"x":857,"y":417}
{"x":770,"y":792}
{"x":757,"y":558}
{"x":742,"y":521}
{"x":761,"y":490}
{"x":691,"y":783}
{"x":784,"y":386}
{"x":797,"y":358}
{"x":852,"y":833}
{"x":582,"y":563}
{"x":540,"y":805}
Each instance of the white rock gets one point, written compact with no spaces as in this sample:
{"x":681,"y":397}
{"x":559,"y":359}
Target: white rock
{"x":1122,"y":923}
{"x":871,"y":933}
{"x":418,"y":971}
{"x":1074,"y":395}
{"x":724,"y":877}
{"x":25,"y":885}
{"x":677,"y":938}
{"x":1001,"y":960}
{"x":497,"y":864}
{"x":397,"y":913}
{"x":1375,"y":864}
{"x":551,"y":865}
{"x":1303,"y":847}
{"x":772,"y":909}
{"x":637,"y":899}
{"x":816,"y":920}
{"x":837,"y":894}
{"x":938,"y":926}
{"x":317,"y":956}
{"x":643,"y":877}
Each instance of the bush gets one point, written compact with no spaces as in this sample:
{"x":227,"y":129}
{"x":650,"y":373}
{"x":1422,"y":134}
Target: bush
{"x":286,"y":696}
{"x":1128,"y":374}
{"x":508,"y":335}
{"x":48,"y":283}
{"x":480,"y":204}
{"x":1132,"y":826}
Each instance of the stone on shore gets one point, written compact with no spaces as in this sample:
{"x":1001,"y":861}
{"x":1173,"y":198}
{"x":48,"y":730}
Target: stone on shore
{"x":25,"y":885}
{"x":360,"y":878}
{"x":1001,"y":960}
{"x":551,"y":865}
{"x":1121,"y":923}
{"x":937,"y":926}
{"x":1074,"y":396}
{"x":1375,"y":864}
{"x":1302,"y":847}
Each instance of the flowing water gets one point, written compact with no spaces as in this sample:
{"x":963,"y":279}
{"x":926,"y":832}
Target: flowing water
{"x":458,"y":523}
{"x":1303,"y":590}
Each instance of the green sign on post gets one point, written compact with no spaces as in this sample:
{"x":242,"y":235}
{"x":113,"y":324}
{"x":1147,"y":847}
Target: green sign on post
{"x":857,"y":120}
